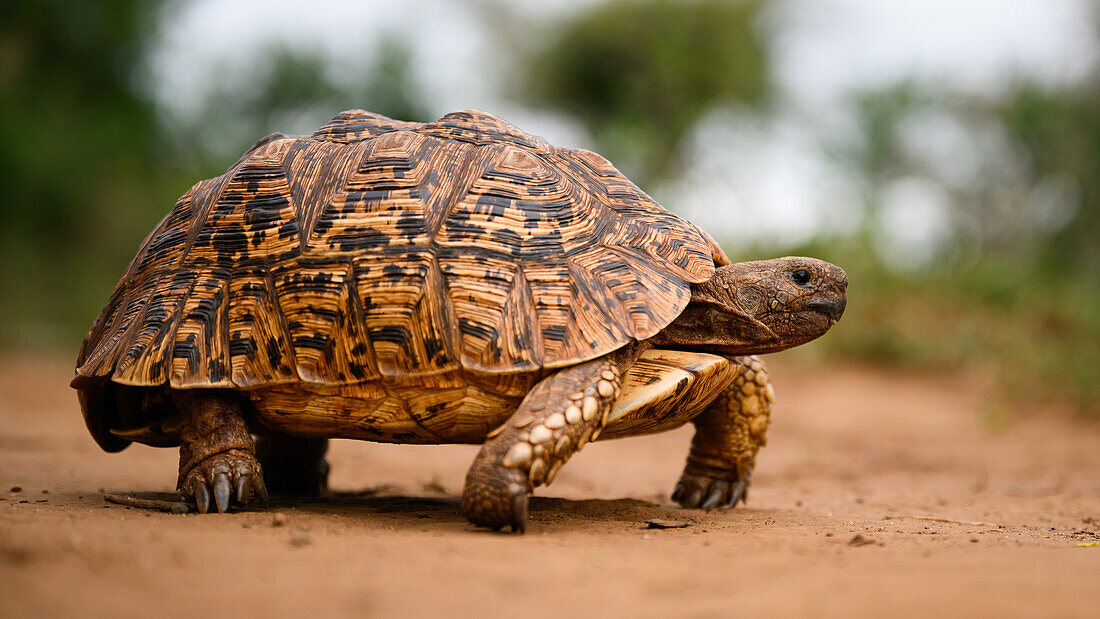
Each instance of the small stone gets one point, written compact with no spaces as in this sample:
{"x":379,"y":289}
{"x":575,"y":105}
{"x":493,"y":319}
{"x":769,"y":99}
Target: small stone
{"x":828,"y":534}
{"x":749,"y":375}
{"x":605,"y":388}
{"x":17,"y":488}
{"x":607,"y":375}
{"x":573,"y":414}
{"x":859,"y":540}
{"x":769,"y":394}
{"x":278,"y":519}
{"x":576,"y":397}
{"x":518,"y":455}
{"x":495,"y":432}
{"x":589,"y":408}
{"x":555,"y":421}
{"x":523,"y":421}
{"x":541,"y":434}
{"x":299,"y":540}
{"x":761,"y":379}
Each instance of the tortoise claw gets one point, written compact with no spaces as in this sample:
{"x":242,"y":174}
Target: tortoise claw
{"x":739,"y":492}
{"x":719,"y":490}
{"x":519,"y":513}
{"x":202,"y":499}
{"x":243,"y":489}
{"x":696,"y":491}
{"x":221,"y":492}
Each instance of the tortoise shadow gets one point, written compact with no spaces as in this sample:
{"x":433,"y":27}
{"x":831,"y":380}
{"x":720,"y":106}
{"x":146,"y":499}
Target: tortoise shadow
{"x":383,"y":506}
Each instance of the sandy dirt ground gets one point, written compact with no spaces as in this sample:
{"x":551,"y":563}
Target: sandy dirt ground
{"x":835,"y":526}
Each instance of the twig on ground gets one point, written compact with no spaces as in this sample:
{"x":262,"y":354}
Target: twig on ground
{"x":947,"y":520}
{"x":175,"y":507}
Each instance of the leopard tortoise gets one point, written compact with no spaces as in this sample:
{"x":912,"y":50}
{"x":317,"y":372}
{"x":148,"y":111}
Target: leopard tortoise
{"x":458,"y":281}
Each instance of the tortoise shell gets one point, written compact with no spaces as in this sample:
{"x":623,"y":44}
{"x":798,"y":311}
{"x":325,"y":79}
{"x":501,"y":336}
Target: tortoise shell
{"x":377,"y":249}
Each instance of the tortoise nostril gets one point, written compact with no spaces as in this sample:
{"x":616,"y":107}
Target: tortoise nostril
{"x":842,"y":280}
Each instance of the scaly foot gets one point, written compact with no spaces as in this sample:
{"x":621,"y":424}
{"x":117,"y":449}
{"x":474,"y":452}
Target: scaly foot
{"x":501,"y":500}
{"x":230,"y":477}
{"x":709,"y":492}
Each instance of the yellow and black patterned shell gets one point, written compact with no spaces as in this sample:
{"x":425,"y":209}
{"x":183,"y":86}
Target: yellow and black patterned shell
{"x":377,"y":248}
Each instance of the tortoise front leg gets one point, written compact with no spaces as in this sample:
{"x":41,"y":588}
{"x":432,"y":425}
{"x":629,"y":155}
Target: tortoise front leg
{"x":728,"y":435}
{"x":565,"y":411}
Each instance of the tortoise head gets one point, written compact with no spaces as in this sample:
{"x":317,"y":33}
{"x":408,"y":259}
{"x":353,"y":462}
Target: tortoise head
{"x":760,"y":307}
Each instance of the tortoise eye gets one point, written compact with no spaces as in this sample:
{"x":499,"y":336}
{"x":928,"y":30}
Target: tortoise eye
{"x":800,"y":277}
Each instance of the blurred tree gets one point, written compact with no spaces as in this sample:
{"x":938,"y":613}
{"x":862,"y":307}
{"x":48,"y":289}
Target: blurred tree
{"x":76,"y":152}
{"x":1059,"y":133}
{"x":1016,"y":283}
{"x":641,"y":73}
{"x":294,"y":90}
{"x":88,"y":166}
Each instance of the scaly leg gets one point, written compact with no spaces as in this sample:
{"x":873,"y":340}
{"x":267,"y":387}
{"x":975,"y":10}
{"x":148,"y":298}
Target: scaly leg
{"x":728,"y":435}
{"x":558,"y":417}
{"x":217,"y":455}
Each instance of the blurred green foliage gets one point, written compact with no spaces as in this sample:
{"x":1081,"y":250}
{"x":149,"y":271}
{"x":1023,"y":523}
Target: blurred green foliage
{"x":1039,"y":336}
{"x":640,"y":73}
{"x":89,"y":164}
{"x":79,"y":159}
{"x":294,"y":90}
{"x":1015,"y":288}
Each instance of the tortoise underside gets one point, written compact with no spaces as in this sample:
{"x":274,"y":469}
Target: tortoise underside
{"x":663,"y":390}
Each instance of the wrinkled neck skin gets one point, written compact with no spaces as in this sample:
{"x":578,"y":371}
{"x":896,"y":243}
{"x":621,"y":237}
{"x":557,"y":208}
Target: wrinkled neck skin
{"x":759,"y":307}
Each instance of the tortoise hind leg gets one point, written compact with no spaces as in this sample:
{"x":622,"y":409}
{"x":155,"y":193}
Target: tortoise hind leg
{"x":563,"y":412}
{"x":728,"y":435}
{"x":293,"y":466}
{"x":217,"y":455}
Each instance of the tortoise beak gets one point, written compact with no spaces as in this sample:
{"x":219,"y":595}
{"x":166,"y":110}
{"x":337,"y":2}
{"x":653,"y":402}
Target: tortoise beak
{"x":833,"y":308}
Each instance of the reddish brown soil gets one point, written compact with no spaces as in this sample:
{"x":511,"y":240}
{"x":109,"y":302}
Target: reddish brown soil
{"x":854,"y":454}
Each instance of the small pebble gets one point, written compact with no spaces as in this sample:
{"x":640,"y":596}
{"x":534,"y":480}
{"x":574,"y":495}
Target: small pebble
{"x":828,"y":534}
{"x":859,"y":540}
{"x":17,"y":488}
{"x":973,"y":540}
{"x":299,"y":540}
{"x":278,"y":519}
